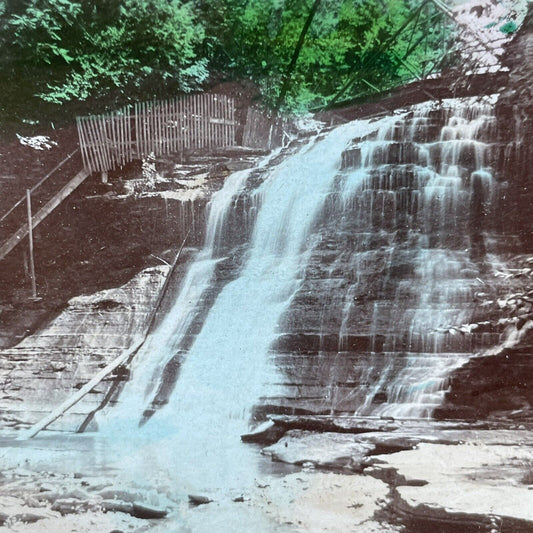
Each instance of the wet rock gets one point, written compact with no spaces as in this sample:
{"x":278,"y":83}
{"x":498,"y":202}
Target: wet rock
{"x":70,"y":506}
{"x":195,"y":500}
{"x":461,"y":486}
{"x":27,"y":518}
{"x":241,"y":499}
{"x":147,"y":512}
{"x":267,"y":433}
{"x":117,"y":506}
{"x":119,"y":494}
{"x":327,"y":450}
{"x":339,"y":424}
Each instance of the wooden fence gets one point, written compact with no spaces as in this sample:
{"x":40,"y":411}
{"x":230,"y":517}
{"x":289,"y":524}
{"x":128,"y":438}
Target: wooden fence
{"x":160,"y":127}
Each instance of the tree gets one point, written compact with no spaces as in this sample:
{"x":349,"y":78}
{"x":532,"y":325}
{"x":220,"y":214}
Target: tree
{"x":91,"y":49}
{"x":347,"y":41}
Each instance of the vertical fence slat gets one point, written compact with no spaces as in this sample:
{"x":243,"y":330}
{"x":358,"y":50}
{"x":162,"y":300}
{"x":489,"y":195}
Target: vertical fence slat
{"x":155,"y":126}
{"x":193,"y":121}
{"x":202,"y":126}
{"x":126,"y":132}
{"x":226,"y":118}
{"x":114,"y":151}
{"x":142,"y":112}
{"x":97,"y":143}
{"x":177,"y":131}
{"x":157,"y":110}
{"x":83,"y":147}
{"x":89,"y":148}
{"x":210,"y":129}
{"x":172,"y":113}
{"x":212,"y":114}
{"x":223,"y":124}
{"x":152,"y":130}
{"x":180,"y":128}
{"x":101,"y":125}
{"x":123,"y":146}
{"x":168,"y":126}
{"x":186,"y":122}
{"x":164,"y":127}
{"x":206,"y":119}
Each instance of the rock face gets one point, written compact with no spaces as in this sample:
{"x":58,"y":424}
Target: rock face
{"x":43,"y":370}
{"x":491,"y":385}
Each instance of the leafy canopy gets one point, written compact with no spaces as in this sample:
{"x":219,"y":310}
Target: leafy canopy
{"x":134,"y":49}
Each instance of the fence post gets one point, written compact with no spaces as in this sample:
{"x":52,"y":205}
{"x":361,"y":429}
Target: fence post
{"x":30,"y":238}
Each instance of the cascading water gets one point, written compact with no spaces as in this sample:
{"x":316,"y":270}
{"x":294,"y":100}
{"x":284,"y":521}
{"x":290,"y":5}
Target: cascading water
{"x":363,"y":245}
{"x":401,"y":250}
{"x":226,"y":366}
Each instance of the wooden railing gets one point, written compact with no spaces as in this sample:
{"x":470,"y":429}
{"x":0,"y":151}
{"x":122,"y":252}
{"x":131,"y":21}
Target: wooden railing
{"x":40,"y":201}
{"x":161,"y":127}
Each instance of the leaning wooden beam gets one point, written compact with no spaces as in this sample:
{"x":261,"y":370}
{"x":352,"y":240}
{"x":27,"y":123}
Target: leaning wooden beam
{"x":17,"y":237}
{"x":123,"y":359}
{"x":88,"y":387}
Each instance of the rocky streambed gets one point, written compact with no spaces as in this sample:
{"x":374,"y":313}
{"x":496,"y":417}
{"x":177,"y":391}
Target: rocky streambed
{"x":360,"y":476}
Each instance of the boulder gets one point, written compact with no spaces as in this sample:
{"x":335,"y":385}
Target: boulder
{"x":196,"y":499}
{"x":326,"y":450}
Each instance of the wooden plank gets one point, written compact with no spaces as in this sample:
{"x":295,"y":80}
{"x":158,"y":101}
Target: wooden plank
{"x":88,"y":387}
{"x":224,"y":126}
{"x":101,"y":123}
{"x":83,"y":145}
{"x":151,"y":131}
{"x":100,"y":142}
{"x":187,"y":103}
{"x":157,"y":118}
{"x":168,"y":125}
{"x":177,"y":125}
{"x":125,"y":145}
{"x":89,"y":149}
{"x":195,"y":121}
{"x":95,"y":143}
{"x":215,"y":114}
{"x":232,"y":118}
{"x":164,"y":121}
{"x":140,"y":134}
{"x":22,"y":232}
{"x":155,"y":136}
{"x":144,"y":127}
{"x":121,"y":125}
{"x":115,"y":149}
{"x":220,"y":115}
{"x":172,"y":129}
{"x":200,"y":120}
{"x":138,"y":131}
{"x":211,"y":112}
{"x":129,"y":135}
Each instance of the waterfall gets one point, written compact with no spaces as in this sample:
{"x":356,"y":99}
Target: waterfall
{"x":411,"y":206}
{"x":361,"y":250}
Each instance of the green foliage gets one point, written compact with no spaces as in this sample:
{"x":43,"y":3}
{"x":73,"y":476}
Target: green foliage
{"x":135,"y":49}
{"x":352,"y":42}
{"x":92,"y":48}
